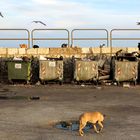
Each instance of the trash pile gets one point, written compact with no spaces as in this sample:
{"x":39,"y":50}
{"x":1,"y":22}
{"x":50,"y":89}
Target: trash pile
{"x":124,"y":67}
{"x":104,"y":68}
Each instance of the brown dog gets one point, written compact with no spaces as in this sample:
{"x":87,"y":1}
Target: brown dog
{"x":92,"y":117}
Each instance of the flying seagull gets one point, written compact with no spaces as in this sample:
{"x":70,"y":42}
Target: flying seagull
{"x":138,"y":23}
{"x":1,"y":14}
{"x":39,"y":22}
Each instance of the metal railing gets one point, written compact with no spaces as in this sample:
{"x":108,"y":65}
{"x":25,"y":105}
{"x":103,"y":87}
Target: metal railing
{"x":50,"y":38}
{"x":122,"y":38}
{"x":15,"y":38}
{"x":86,"y":38}
{"x":108,"y":39}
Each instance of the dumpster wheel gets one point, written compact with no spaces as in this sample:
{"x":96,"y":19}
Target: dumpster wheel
{"x":60,"y":82}
{"x":11,"y":82}
{"x":42,"y":82}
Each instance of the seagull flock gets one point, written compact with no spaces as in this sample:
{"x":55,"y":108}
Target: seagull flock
{"x":36,"y":21}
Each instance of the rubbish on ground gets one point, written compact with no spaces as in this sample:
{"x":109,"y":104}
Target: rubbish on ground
{"x":17,"y":58}
{"x":82,"y":85}
{"x":34,"y":98}
{"x":97,"y":87}
{"x":126,"y":85}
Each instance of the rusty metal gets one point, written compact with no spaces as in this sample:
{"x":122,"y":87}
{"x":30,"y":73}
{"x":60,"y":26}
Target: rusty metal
{"x":83,"y":38}
{"x":86,"y":70}
{"x":28,"y":38}
{"x":112,"y":38}
{"x":41,"y":38}
{"x":125,"y":71}
{"x":51,"y":70}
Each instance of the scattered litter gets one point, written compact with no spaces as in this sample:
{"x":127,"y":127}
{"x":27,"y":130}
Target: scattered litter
{"x":104,"y":77}
{"x":115,"y":83}
{"x":97,"y":87}
{"x":126,"y":85}
{"x":82,"y":85}
{"x":108,"y":84}
{"x":38,"y":83}
{"x":34,"y":98}
{"x":17,"y":58}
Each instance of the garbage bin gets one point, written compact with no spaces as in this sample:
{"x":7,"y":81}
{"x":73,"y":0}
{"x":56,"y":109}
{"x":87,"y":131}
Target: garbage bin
{"x":125,"y":71}
{"x":19,"y":70}
{"x":86,"y":70}
{"x":51,"y":70}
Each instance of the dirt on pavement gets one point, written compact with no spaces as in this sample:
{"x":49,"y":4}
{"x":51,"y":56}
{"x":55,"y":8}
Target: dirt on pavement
{"x":22,"y":118}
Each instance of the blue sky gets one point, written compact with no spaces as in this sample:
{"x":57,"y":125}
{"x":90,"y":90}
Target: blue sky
{"x":70,"y":13}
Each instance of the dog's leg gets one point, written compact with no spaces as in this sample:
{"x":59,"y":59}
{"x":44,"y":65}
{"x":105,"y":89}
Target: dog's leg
{"x":95,"y":128}
{"x":101,"y":125}
{"x":81,"y":126}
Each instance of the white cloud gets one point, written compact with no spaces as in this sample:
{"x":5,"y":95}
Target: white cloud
{"x":47,"y":2}
{"x":67,"y":14}
{"x":62,"y":14}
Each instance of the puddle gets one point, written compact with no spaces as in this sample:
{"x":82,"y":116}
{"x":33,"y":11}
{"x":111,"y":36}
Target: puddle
{"x":5,"y":97}
{"x":2,"y":97}
{"x":72,"y":126}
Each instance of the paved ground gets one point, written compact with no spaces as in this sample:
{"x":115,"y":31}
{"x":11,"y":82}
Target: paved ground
{"x":23,"y":119}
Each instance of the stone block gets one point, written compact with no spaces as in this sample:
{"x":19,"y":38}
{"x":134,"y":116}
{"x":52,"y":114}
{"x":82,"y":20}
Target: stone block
{"x":12,"y":51}
{"x":3,"y":51}
{"x":43,"y":51}
{"x":86,"y":50}
{"x":130,"y":50}
{"x":32,"y":51}
{"x":21,"y":51}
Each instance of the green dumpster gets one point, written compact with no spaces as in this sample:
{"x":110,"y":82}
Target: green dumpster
{"x":19,"y":70}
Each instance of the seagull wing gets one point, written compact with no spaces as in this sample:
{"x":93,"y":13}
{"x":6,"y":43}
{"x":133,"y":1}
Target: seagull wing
{"x":35,"y":21}
{"x":1,"y":14}
{"x":42,"y":23}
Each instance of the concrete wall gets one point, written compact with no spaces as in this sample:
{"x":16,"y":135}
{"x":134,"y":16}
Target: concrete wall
{"x":57,"y":52}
